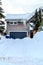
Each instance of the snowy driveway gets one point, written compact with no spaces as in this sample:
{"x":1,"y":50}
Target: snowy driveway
{"x":22,"y":51}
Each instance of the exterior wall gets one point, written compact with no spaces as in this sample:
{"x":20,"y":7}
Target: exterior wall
{"x":16,"y":28}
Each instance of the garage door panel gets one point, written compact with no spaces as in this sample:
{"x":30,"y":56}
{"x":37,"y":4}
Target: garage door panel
{"x":15,"y":35}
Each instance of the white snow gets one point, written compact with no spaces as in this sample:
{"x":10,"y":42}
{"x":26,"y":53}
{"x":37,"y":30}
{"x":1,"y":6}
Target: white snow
{"x":22,"y":51}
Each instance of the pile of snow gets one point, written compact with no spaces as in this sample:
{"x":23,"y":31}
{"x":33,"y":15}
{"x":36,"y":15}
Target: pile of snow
{"x":38,"y":37}
{"x":22,"y":51}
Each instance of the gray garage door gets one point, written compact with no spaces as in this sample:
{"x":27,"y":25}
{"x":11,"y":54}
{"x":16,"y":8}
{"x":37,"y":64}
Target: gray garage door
{"x":20,"y":35}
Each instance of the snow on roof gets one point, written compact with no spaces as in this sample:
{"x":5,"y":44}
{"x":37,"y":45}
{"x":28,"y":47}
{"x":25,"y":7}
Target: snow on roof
{"x":16,"y":16}
{"x":19,"y":16}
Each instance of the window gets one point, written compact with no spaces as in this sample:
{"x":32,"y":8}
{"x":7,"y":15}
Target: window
{"x":15,"y":23}
{"x":7,"y":22}
{"x":20,"y":22}
{"x":11,"y":23}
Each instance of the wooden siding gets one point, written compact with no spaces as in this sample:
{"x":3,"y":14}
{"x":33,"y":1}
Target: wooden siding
{"x":16,"y":28}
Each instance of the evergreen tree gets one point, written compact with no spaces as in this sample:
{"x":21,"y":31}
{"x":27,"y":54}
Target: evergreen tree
{"x":37,"y":19}
{"x":36,"y":16}
{"x":40,"y":15}
{"x":1,"y":17}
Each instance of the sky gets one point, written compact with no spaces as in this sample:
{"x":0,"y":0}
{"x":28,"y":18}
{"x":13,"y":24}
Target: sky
{"x":21,"y":6}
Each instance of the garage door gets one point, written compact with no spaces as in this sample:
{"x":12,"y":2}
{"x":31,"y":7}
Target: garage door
{"x":20,"y":35}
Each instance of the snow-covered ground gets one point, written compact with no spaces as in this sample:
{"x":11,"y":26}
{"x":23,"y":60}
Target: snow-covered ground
{"x":22,"y":51}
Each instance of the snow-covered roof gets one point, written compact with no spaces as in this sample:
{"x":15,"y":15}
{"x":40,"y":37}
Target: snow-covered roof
{"x":19,"y":16}
{"x":16,"y":16}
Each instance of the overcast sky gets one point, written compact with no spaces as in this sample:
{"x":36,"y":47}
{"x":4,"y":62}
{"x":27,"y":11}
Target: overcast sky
{"x":21,"y":6}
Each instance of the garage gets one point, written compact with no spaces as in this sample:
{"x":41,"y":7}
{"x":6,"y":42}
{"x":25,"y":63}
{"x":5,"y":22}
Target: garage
{"x":20,"y":35}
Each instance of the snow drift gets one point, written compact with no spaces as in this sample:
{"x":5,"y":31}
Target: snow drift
{"x":22,"y":51}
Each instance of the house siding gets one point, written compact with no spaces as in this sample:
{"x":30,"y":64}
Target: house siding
{"x":16,"y":28}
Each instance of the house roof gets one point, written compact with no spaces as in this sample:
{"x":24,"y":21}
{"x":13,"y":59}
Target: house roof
{"x":19,"y":16}
{"x":16,"y":16}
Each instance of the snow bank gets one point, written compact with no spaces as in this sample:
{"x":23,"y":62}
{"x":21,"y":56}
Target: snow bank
{"x":38,"y":35}
{"x":22,"y":51}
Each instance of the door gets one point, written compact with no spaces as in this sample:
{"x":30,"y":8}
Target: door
{"x":20,"y":35}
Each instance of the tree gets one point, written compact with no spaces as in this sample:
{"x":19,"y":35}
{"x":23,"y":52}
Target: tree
{"x":40,"y":19}
{"x":36,"y":16}
{"x":1,"y":17}
{"x":37,"y":19}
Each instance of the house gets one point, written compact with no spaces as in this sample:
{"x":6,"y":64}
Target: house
{"x":18,"y":25}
